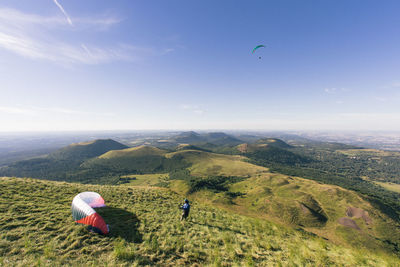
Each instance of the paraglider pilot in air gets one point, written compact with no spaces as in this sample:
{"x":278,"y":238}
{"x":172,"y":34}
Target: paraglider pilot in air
{"x":257,"y":47}
{"x":186,"y":208}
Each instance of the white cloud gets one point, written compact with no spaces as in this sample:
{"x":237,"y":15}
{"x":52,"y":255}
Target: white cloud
{"x":35,"y":37}
{"x":330,"y":90}
{"x":64,"y":53}
{"x":64,"y":12}
{"x":87,"y":50}
{"x":70,"y":111}
{"x":20,"y":20}
{"x":381,"y":99}
{"x":22,"y":46}
{"x":198,"y":111}
{"x":184,"y":106}
{"x":192,"y":108}
{"x":46,"y":110}
{"x":14,"y":110}
{"x":396,"y":85}
{"x":334,"y":90}
{"x":168,"y":50}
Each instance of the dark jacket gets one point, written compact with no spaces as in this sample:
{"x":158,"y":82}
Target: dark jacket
{"x":186,"y":208}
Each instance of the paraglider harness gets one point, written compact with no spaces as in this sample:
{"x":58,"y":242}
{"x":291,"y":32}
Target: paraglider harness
{"x":186,"y":208}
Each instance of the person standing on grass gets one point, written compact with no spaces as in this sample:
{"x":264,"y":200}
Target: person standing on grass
{"x":186,"y":208}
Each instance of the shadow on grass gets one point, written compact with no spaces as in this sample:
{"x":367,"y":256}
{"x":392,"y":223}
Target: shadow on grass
{"x":122,"y":223}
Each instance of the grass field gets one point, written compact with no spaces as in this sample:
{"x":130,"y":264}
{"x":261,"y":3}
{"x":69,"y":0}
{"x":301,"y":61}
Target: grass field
{"x":390,"y":186}
{"x":146,"y":179}
{"x":303,"y":203}
{"x":133,"y":152}
{"x":292,"y":201}
{"x":37,"y":230}
{"x":205,"y":163}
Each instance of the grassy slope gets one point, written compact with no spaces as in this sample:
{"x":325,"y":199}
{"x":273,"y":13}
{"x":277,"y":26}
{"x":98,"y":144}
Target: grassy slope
{"x":281,"y":197}
{"x":134,"y":152}
{"x":85,"y":150}
{"x":63,"y":164}
{"x":137,"y":160}
{"x":146,"y":179}
{"x":205,"y":163}
{"x":37,"y":229}
{"x":290,"y":200}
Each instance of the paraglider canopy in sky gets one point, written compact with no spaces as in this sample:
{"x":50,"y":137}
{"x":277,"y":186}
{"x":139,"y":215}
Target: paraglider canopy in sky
{"x":257,"y":47}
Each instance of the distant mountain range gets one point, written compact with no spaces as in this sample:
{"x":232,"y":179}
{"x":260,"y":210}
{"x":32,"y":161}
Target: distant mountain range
{"x":99,"y":159}
{"x":216,"y":138}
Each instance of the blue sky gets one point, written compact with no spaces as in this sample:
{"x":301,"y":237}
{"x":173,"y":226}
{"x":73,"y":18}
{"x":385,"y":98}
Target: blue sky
{"x":122,"y":65}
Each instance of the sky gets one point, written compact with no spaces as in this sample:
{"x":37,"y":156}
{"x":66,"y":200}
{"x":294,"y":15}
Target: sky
{"x":71,"y":65}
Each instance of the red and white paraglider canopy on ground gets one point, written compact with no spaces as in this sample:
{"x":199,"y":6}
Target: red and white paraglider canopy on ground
{"x":83,"y":212}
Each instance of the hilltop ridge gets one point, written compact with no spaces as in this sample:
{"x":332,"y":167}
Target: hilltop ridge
{"x":142,"y":150}
{"x":145,"y":230}
{"x":63,"y":163}
{"x":85,"y":150}
{"x":215,"y":138}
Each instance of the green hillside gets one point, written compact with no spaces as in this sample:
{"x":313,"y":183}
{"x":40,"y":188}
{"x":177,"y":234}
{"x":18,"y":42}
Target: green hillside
{"x":390,"y":186}
{"x":274,"y":142}
{"x":321,"y":209}
{"x":190,"y":147}
{"x":271,"y":151}
{"x":62,"y":164}
{"x":205,"y":163}
{"x":38,"y":230}
{"x":136,"y":160}
{"x":86,"y":150}
{"x":205,"y":139}
{"x":336,"y":164}
{"x":133,"y":152}
{"x":234,"y":183}
{"x":187,"y":137}
{"x":219,"y":138}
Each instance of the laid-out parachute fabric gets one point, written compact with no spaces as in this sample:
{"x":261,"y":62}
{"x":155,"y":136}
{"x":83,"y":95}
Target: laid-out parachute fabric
{"x":83,"y":212}
{"x":255,"y":48}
